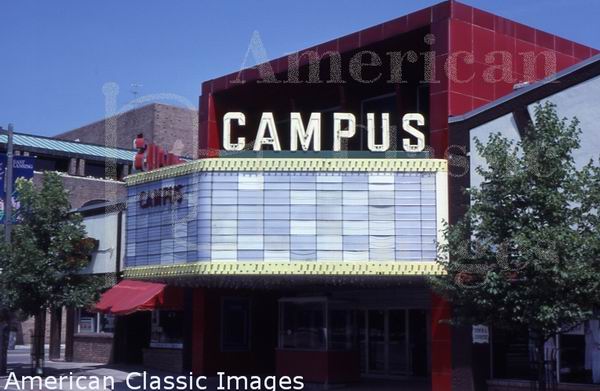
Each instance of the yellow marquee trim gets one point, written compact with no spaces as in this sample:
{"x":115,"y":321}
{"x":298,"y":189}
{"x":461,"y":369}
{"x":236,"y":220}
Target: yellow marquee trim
{"x":271,"y":164}
{"x":397,"y":268}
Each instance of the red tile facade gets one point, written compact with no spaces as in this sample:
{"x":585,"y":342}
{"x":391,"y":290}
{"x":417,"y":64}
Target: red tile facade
{"x":487,"y":53}
{"x":483,"y":33}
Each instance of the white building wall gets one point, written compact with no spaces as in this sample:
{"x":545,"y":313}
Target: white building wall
{"x":581,"y":101}
{"x":504,"y":125}
{"x":104,"y":229}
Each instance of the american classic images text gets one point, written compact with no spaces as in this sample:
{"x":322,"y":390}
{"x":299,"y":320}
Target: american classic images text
{"x":267,"y":133}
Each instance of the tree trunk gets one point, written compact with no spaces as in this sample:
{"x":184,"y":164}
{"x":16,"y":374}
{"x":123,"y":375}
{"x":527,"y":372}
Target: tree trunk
{"x":69,"y":333}
{"x":55,"y":331}
{"x":37,"y":345}
{"x":541,"y":365}
{"x":4,"y":333}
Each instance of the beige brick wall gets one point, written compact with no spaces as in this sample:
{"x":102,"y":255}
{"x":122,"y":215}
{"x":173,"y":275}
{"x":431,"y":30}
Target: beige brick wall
{"x":172,"y":127}
{"x":82,"y":189}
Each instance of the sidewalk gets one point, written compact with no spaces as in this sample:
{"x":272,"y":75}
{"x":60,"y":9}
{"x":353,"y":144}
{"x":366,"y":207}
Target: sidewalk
{"x":86,"y":372}
{"x":91,"y":378}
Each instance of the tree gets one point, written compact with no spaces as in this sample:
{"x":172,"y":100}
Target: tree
{"x":526,"y":254}
{"x":41,"y":267}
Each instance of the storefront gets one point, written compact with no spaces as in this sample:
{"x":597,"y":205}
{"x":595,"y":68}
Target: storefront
{"x":299,"y":239}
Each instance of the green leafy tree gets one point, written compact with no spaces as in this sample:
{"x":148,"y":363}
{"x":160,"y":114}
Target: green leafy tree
{"x":526,"y":255}
{"x":41,"y":268}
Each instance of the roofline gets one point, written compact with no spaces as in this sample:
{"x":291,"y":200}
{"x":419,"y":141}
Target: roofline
{"x":118,"y":114}
{"x":273,"y":61}
{"x":446,"y":9}
{"x":103,"y":208}
{"x":532,"y":91}
{"x":54,"y":138}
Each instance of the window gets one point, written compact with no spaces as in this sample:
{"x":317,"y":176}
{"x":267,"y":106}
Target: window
{"x":235,"y":316}
{"x":51,"y":163}
{"x":303,"y":325}
{"x":316,"y":324}
{"x":167,"y":329}
{"x":94,"y":169}
{"x":341,"y":329}
{"x":579,"y":354}
{"x":511,"y":353}
{"x":92,"y":322}
{"x":575,"y":354}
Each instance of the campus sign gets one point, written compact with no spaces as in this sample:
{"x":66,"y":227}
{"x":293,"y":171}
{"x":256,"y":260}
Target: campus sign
{"x":151,"y":156}
{"x":309,"y":136}
{"x":165,"y":195}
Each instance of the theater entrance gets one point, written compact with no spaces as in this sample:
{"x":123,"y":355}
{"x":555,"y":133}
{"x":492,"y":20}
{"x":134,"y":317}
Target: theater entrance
{"x":394,"y":342}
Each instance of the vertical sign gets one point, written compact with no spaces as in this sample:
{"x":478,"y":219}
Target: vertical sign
{"x":22,"y":168}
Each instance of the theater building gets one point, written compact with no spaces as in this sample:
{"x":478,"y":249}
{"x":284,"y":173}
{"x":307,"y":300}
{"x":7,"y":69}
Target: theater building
{"x":301,"y":242}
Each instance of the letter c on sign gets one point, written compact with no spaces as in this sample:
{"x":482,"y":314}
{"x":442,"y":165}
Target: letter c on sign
{"x":241,"y":141}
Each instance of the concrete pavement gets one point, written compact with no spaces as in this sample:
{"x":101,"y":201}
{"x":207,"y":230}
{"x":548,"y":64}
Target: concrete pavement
{"x":92,"y":377}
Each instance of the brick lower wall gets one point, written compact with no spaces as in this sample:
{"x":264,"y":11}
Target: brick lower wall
{"x":93,"y":347}
{"x":82,"y":190}
{"x":164,"y":359}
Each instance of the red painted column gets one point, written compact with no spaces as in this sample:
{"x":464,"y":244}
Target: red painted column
{"x":212,"y":129}
{"x":199,"y":359}
{"x":441,"y":344}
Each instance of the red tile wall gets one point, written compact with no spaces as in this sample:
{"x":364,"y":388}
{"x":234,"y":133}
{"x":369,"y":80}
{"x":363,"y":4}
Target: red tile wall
{"x":480,"y":33}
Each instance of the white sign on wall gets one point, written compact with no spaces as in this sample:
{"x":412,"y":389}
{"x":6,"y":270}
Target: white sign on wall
{"x":481,"y":334}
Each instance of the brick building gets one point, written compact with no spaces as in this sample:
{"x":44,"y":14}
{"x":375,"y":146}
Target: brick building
{"x":92,"y":174}
{"x":171,"y":127}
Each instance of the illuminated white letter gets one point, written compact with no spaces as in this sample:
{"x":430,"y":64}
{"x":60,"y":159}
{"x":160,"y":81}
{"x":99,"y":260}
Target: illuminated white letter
{"x":338,"y":133}
{"x":406,"y":120}
{"x":385,"y":132}
{"x":241,"y":141}
{"x":267,"y":122}
{"x":297,"y":131}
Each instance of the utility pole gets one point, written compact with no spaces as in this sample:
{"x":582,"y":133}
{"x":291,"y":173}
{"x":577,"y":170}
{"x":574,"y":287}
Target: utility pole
{"x":8,"y":186}
{"x":4,"y":313}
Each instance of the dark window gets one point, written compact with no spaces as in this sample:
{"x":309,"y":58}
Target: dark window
{"x":96,"y":170}
{"x":511,"y":354}
{"x":235,"y":324}
{"x":303,"y":325}
{"x":167,"y":329}
{"x":51,"y":163}
{"x":579,"y":354}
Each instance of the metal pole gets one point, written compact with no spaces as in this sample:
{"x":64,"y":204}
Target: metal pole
{"x":8,"y":186}
{"x":4,"y":315}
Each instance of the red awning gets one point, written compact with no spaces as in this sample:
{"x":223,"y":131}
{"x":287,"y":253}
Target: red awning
{"x":129,"y":296}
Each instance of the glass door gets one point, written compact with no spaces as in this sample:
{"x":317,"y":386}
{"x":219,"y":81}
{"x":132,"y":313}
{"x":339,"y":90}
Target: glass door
{"x":376,"y":346}
{"x":398,"y":357}
{"x":384,"y":339}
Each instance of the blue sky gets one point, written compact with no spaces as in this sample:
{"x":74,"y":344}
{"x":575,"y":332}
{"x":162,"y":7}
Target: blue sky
{"x":57,"y":55}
